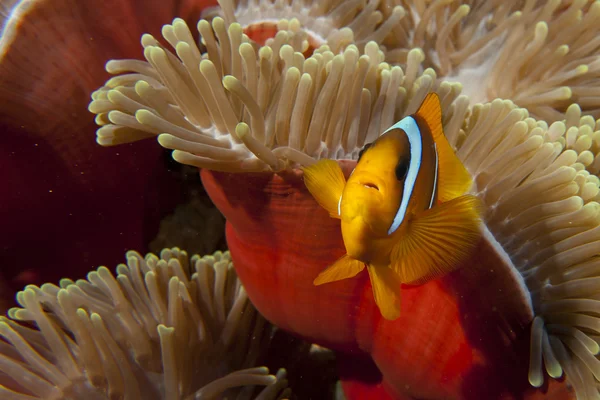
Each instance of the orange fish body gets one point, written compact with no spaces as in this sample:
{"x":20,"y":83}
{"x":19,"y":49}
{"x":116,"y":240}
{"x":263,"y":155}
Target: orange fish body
{"x":404,"y":215}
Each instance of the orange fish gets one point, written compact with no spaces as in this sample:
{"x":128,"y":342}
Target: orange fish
{"x":404,"y":212}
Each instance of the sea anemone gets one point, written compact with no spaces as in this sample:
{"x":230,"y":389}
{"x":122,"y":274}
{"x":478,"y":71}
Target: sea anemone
{"x":59,"y":182}
{"x":543,"y":211}
{"x":542,"y":55}
{"x":165,"y":327}
{"x":271,"y":110}
{"x":277,"y":109}
{"x":336,"y":23}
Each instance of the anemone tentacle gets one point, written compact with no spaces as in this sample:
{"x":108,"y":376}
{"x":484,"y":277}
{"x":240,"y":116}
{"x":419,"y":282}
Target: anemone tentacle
{"x":335,"y":23}
{"x":165,"y":327}
{"x":257,"y":118}
{"x":541,"y":55}
{"x":543,"y":210}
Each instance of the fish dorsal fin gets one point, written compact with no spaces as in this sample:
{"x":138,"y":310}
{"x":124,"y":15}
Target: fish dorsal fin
{"x":345,"y":267}
{"x":386,"y":290}
{"x":453,"y":178}
{"x":325,"y":181}
{"x":438,"y":240}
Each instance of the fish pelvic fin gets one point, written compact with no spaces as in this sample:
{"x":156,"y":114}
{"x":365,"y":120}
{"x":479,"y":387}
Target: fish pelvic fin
{"x":386,"y":290}
{"x":345,"y":267}
{"x":453,"y":178}
{"x":438,"y":240}
{"x":325,"y":181}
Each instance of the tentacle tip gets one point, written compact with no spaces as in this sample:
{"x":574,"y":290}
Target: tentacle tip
{"x":110,"y":66}
{"x":556,"y":373}
{"x":229,"y":81}
{"x":242,"y":129}
{"x":536,"y":381}
{"x":181,"y":46}
{"x":565,"y":93}
{"x":140,"y":86}
{"x":164,"y":139}
{"x":205,"y":65}
{"x":582,"y":69}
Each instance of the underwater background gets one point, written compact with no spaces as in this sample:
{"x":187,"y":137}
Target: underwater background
{"x":159,"y":240}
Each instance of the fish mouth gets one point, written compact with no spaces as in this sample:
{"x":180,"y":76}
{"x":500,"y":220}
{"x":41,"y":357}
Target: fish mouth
{"x":370,"y":185}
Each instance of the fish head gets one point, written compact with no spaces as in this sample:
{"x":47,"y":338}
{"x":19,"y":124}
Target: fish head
{"x":374,"y":189}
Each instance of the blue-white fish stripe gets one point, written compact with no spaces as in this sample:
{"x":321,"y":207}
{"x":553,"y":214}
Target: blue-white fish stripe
{"x":435,"y":177}
{"x":408,"y":125}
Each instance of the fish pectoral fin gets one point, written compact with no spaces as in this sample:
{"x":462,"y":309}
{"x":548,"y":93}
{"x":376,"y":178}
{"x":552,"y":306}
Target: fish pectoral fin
{"x":453,"y":178}
{"x":386,"y":290}
{"x":438,"y":240}
{"x":325,"y":181}
{"x":345,"y":267}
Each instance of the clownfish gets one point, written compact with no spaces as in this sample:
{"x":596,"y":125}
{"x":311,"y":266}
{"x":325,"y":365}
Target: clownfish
{"x":404,"y":212}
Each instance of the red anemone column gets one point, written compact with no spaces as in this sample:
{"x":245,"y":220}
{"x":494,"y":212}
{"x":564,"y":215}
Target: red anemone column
{"x":465,"y":336}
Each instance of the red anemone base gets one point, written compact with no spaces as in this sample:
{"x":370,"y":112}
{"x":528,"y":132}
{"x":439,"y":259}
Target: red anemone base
{"x":465,"y":336}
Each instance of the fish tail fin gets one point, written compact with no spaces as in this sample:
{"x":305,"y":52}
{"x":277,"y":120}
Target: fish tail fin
{"x":438,"y":240}
{"x":454,"y":179}
{"x":345,"y":267}
{"x":386,"y":290}
{"x":325,"y":181}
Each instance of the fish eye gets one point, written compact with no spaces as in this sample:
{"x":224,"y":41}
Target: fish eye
{"x":402,"y":168}
{"x":360,"y":153}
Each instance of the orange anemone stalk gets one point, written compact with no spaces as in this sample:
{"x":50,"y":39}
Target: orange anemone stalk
{"x":458,"y":337}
